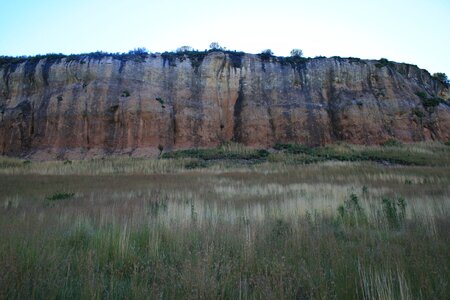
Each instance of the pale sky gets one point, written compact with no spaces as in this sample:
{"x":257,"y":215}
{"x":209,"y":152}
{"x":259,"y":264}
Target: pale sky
{"x":412,"y":31}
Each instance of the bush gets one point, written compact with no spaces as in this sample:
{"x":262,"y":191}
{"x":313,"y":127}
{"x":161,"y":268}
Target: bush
{"x":392,"y":143}
{"x":60,"y":196}
{"x":422,"y":95}
{"x":280,"y":229}
{"x":218,"y":153}
{"x":155,"y":207}
{"x":383,"y":62}
{"x":442,"y":77}
{"x":196,"y":164}
{"x":431,"y":102}
{"x":394,"y":211}
{"x":266,"y":54}
{"x":418,"y":112}
{"x":351,"y":213}
{"x":293,"y":148}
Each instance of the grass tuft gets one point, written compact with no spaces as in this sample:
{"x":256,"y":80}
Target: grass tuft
{"x":60,"y":196}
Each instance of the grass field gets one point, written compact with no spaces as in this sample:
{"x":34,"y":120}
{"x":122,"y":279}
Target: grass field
{"x":345,"y":222}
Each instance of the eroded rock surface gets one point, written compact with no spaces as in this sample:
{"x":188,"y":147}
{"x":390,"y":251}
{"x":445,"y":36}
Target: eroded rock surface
{"x":99,"y":106}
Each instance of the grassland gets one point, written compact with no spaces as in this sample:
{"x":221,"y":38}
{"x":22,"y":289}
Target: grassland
{"x":345,"y":222}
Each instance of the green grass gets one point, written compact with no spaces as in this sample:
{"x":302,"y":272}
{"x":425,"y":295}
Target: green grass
{"x":60,"y":196}
{"x":231,"y":156}
{"x":391,"y":152}
{"x":276,"y":229}
{"x":231,"y":151}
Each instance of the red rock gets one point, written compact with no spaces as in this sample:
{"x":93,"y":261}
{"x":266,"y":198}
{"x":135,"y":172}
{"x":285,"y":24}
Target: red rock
{"x":99,"y":106}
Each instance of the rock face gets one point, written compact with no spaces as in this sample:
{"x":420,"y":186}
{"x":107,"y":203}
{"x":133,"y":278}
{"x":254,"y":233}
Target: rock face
{"x":75,"y":108}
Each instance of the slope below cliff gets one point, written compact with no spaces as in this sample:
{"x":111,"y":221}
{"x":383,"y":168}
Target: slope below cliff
{"x":88,"y":105}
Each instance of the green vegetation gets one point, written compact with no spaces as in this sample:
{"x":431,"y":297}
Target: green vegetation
{"x":140,"y":54}
{"x":137,"y":55}
{"x":236,"y":155}
{"x":422,"y":95}
{"x":52,"y":57}
{"x":296,"y":53}
{"x":430,"y":102}
{"x":392,"y":143}
{"x":216,"y":47}
{"x":391,"y":152}
{"x":296,"y":60}
{"x":230,"y":151}
{"x":418,"y":113}
{"x":183,"y":53}
{"x":351,"y":212}
{"x":60,"y":196}
{"x":185,"y":49}
{"x":383,"y":62}
{"x":266,"y":54}
{"x":168,"y":228}
{"x":442,"y":77}
{"x":394,"y":211}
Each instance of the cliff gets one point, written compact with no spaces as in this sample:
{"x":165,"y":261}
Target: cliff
{"x":87,"y":105}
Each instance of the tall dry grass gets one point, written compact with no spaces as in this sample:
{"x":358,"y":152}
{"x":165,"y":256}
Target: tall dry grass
{"x":272,"y":230}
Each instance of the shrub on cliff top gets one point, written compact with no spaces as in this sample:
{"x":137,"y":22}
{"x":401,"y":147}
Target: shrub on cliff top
{"x":383,"y":62}
{"x":442,"y":77}
{"x":266,"y":54}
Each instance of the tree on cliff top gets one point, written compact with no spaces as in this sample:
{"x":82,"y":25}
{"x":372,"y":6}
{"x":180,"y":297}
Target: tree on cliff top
{"x":216,"y":46}
{"x":442,"y":77}
{"x":296,"y":52}
{"x":267,"y":52}
{"x":185,"y":49}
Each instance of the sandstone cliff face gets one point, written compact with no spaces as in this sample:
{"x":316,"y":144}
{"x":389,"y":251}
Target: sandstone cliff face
{"x":99,"y":106}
